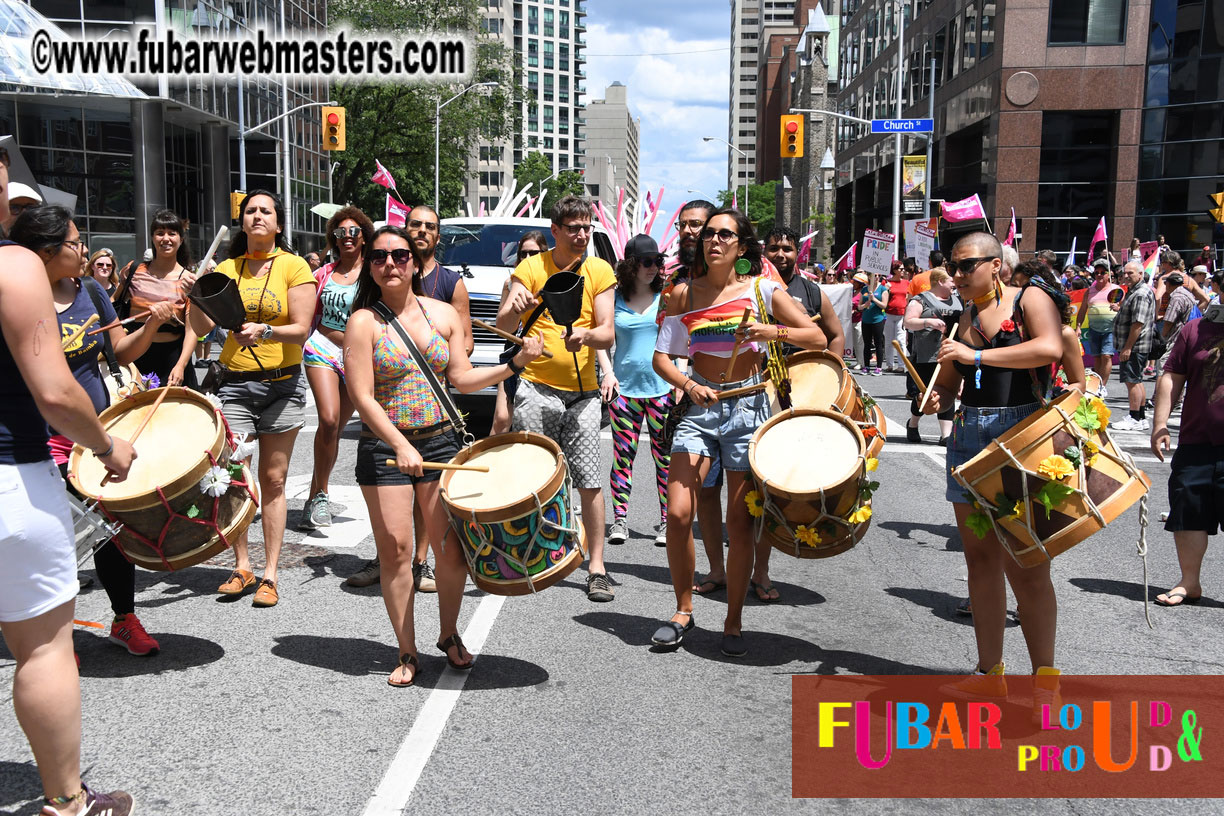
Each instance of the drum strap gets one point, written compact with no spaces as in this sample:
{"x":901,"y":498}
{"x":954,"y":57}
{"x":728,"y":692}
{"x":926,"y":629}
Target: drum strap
{"x":108,"y":350}
{"x":443,"y":395}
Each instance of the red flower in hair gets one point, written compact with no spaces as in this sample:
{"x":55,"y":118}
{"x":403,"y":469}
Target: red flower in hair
{"x":1008,"y":325}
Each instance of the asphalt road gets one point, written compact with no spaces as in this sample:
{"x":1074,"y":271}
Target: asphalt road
{"x":286,"y":710}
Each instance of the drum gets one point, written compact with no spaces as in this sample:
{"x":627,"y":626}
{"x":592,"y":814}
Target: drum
{"x":184,"y":500}
{"x":810,"y":506}
{"x":516,"y":523}
{"x":1053,"y":480}
{"x":1093,"y":384}
{"x":874,"y":428}
{"x":91,"y":527}
{"x":129,"y":382}
{"x":820,"y":380}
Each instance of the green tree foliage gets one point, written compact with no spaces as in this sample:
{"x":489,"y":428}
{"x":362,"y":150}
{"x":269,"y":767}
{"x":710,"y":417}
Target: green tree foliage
{"x":760,"y":204}
{"x":535,"y":168}
{"x":393,"y":122}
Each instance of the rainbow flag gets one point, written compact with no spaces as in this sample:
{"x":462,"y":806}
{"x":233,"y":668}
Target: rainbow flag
{"x":1152,"y":265}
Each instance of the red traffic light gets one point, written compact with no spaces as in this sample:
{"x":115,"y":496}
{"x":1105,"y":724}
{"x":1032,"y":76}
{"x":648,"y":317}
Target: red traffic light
{"x":333,"y":118}
{"x":792,"y":126}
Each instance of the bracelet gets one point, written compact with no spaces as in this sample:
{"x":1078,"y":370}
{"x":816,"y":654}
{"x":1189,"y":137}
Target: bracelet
{"x":514,"y":369}
{"x":109,"y":448}
{"x":782,"y":330}
{"x":977,"y":372}
{"x":56,"y":801}
{"x":685,"y":387}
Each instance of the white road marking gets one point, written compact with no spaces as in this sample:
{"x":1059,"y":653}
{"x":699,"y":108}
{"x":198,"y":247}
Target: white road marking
{"x":348,"y":529}
{"x":392,"y":795}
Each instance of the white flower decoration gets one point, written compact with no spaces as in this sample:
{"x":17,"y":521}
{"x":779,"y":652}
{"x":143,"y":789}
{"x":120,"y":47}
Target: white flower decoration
{"x":215,"y":482}
{"x":215,"y":400}
{"x":243,"y":448}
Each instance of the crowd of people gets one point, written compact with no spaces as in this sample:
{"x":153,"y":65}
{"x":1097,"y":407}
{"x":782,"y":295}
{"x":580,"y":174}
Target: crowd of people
{"x":378,"y":326}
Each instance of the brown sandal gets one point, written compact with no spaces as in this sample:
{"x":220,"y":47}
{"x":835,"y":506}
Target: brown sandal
{"x":239,"y":582}
{"x":406,"y":660}
{"x":455,"y":640}
{"x":266,"y":594}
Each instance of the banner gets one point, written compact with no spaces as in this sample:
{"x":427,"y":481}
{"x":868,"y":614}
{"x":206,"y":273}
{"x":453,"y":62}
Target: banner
{"x":921,"y":239}
{"x":913,"y":184}
{"x":878,"y":251}
{"x":397,"y":213}
{"x":964,"y":210}
{"x":1011,"y":229}
{"x":849,"y":261}
{"x":382,"y":176}
{"x":805,"y":252}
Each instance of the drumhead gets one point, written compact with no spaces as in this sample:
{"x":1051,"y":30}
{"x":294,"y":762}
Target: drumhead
{"x":516,"y":470}
{"x":784,"y":454}
{"x":815,"y":382}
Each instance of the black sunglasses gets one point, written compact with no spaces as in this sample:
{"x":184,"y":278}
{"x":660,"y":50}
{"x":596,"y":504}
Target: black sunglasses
{"x":399,"y":256}
{"x":652,"y":260}
{"x":965,"y":266}
{"x":527,"y":253}
{"x":341,"y":233}
{"x":724,"y":236}
{"x":429,"y":226}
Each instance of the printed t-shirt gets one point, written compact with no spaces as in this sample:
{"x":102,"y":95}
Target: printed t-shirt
{"x":266,"y":300}
{"x":597,"y":277}
{"x":920,"y":283}
{"x":1198,"y":355}
{"x":82,"y":357}
{"x":336,"y":304}
{"x":1100,"y":316}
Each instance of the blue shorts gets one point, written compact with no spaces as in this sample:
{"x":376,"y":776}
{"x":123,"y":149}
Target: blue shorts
{"x":723,"y":429}
{"x":714,"y":478}
{"x":972,"y":430}
{"x":1098,"y":343}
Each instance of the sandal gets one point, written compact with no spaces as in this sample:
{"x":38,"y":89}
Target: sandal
{"x":266,"y":595}
{"x":456,"y":641}
{"x":239,"y":582}
{"x":714,"y":586}
{"x":766,"y":593}
{"x":406,"y":659}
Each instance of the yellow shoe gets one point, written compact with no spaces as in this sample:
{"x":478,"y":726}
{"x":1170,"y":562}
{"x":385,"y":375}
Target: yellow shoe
{"x":1045,"y":693}
{"x":990,"y":685}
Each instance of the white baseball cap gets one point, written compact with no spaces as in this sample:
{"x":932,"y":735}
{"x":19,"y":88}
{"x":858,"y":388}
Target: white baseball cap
{"x":18,"y":190}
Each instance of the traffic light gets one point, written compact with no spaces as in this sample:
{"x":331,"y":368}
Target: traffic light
{"x":1217,"y":212}
{"x":236,"y":205}
{"x":792,"y":136}
{"x":333,"y":128}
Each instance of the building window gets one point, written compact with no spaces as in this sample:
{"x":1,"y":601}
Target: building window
{"x":1088,"y":22}
{"x":1076,"y":174}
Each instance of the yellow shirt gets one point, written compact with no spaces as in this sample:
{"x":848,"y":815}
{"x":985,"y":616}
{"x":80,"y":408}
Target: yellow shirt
{"x":266,"y":300}
{"x":558,"y":372}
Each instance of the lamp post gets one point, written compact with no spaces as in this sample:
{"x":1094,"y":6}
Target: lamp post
{"x":438,"y":132}
{"x":745,"y":157}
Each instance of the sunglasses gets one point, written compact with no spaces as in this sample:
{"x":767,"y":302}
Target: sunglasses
{"x":724,"y":236}
{"x":527,"y":253}
{"x":428,"y":226}
{"x":654,"y":260}
{"x":965,"y":266}
{"x":346,"y":232}
{"x":692,"y":225}
{"x":398,"y":256}
{"x":574,"y":229}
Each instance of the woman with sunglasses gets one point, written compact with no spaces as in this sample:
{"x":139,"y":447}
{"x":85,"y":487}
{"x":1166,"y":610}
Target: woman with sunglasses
{"x":403,"y":421}
{"x":703,"y":325}
{"x":1001,"y":350}
{"x":348,"y":233}
{"x":102,"y":269}
{"x":532,"y":243}
{"x":263,"y":392}
{"x":635,"y":394}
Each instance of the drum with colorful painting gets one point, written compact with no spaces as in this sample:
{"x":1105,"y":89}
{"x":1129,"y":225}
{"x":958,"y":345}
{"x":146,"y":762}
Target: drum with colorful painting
{"x":186,"y":496}
{"x":804,"y":505}
{"x":516,"y":522}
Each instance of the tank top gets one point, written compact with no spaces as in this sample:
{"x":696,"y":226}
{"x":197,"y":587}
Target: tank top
{"x":440,"y":283}
{"x":400,"y":387}
{"x":336,"y":304}
{"x":1002,"y":387}
{"x":23,"y":432}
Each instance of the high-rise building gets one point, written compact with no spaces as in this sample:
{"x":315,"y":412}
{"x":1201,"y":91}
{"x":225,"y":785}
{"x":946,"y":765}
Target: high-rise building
{"x":612,"y":148}
{"x":752,"y":23}
{"x":546,"y":38}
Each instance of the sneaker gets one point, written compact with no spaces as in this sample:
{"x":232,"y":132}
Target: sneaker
{"x":911,"y":434}
{"x":661,"y":534}
{"x":368,"y":575}
{"x":1129,"y":423}
{"x":423,"y":577}
{"x":128,"y":632}
{"x":320,"y":511}
{"x":618,"y":532}
{"x":965,"y":608}
{"x":979,"y":685}
{"x":598,"y":588}
{"x":115,"y":803}
{"x":1045,"y":694}
{"x":306,"y":522}
{"x":876,"y":372}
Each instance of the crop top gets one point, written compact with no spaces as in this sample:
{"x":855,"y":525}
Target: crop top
{"x":712,"y":330}
{"x":400,"y":387}
{"x":1002,"y":387}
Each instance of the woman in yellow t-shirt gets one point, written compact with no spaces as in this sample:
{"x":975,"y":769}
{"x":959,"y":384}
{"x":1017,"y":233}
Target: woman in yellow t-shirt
{"x":263,"y":390}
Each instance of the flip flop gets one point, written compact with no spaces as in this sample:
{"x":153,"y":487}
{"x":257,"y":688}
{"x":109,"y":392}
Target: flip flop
{"x":767,"y":589}
{"x":1186,"y":600}
{"x":714,"y":586}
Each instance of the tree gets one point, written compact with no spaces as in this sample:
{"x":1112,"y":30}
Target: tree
{"x":760,"y":204}
{"x":536,"y":168}
{"x":394,"y":122}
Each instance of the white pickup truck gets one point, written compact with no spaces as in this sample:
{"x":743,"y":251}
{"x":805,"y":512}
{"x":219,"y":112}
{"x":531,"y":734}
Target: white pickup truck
{"x":484,"y":249}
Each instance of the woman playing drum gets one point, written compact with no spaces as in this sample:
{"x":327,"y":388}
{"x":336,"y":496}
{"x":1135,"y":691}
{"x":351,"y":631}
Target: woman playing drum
{"x":403,"y":420}
{"x":704,"y":326}
{"x":1002,"y":349}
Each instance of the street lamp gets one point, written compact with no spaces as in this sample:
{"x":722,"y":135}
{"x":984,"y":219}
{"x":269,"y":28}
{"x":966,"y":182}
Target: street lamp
{"x":438,"y":106}
{"x":742,"y":153}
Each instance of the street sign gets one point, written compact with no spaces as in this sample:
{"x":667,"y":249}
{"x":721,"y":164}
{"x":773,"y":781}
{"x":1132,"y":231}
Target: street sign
{"x":902,"y":125}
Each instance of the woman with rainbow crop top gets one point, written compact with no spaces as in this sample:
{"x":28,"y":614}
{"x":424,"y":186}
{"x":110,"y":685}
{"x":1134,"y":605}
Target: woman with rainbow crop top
{"x":704,"y":324}
{"x":403,"y":420}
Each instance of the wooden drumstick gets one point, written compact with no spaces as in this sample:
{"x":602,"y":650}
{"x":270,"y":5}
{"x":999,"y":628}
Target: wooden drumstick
{"x":212,"y":250}
{"x":143,"y":423}
{"x":732,"y":393}
{"x":117,"y":323}
{"x":930,"y":387}
{"x":444,"y":466}
{"x":735,"y":349}
{"x":913,"y":372}
{"x":76,"y":335}
{"x":505,"y":335}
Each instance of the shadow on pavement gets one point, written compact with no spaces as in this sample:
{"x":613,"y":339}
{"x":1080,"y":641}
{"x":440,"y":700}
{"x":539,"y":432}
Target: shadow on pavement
{"x":101,"y":658}
{"x":19,"y":782}
{"x":942,"y":604}
{"x":948,"y":532}
{"x":1132,"y":591}
{"x":633,"y":630}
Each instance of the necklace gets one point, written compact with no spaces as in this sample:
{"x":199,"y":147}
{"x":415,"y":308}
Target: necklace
{"x":994,"y":295}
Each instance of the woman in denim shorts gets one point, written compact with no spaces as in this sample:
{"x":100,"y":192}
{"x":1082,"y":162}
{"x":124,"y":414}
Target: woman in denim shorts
{"x":404,"y":425}
{"x":1002,"y":350}
{"x":709,"y":309}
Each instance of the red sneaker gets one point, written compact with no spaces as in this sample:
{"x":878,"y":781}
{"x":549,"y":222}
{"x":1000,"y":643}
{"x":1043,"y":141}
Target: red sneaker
{"x":128,"y":632}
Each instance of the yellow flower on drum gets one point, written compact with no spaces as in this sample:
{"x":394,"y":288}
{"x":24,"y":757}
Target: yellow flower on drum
{"x":860,"y":515}
{"x":807,"y":535}
{"x":756,"y":505}
{"x":1017,"y":513}
{"x":1102,"y":411}
{"x":1091,"y":451}
{"x":1056,"y":467}
{"x":872,"y":464}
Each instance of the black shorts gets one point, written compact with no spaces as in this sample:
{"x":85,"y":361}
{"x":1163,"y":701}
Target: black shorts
{"x":373,"y":453}
{"x":1196,"y":489}
{"x":1131,"y":371}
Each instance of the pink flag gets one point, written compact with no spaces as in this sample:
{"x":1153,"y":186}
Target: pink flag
{"x":397,"y":213}
{"x":734,"y":201}
{"x":1098,"y":237}
{"x":964,"y":210}
{"x":847,"y":261}
{"x":805,"y":251}
{"x":382,"y":176}
{"x":1011,"y":230}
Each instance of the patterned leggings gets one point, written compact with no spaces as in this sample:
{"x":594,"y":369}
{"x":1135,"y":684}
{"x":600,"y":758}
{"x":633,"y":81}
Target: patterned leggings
{"x":626,"y":414}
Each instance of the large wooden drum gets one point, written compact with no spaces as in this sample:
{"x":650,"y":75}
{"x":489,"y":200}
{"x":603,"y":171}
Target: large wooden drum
{"x":820,"y":380}
{"x":170,"y":517}
{"x":516,"y":523}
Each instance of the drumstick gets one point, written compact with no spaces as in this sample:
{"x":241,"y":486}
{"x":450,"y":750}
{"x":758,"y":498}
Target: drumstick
{"x":117,"y":323}
{"x":76,"y":335}
{"x":735,"y":349}
{"x":444,"y":466}
{"x":212,"y":250}
{"x":140,"y":428}
{"x":930,"y":387}
{"x":913,"y":372}
{"x":505,"y":335}
{"x":731,"y":393}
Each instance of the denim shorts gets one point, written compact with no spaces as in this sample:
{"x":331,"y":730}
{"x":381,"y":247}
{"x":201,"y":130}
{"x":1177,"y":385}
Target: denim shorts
{"x":373,"y":453}
{"x":1098,"y":343}
{"x":724,"y":428}
{"x":972,"y":430}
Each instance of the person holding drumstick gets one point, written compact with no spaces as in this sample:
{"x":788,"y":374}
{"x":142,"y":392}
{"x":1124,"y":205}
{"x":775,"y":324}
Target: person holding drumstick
{"x":1002,"y":350}
{"x":705,"y":325}
{"x":263,"y":392}
{"x":405,"y":424}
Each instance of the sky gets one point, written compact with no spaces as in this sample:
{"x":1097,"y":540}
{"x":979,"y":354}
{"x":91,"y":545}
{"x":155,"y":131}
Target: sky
{"x":680,"y":97}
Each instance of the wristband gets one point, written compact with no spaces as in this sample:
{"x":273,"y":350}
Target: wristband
{"x":685,"y":387}
{"x":109,"y":449}
{"x":514,"y":369}
{"x":977,"y":373}
{"x":781,"y":332}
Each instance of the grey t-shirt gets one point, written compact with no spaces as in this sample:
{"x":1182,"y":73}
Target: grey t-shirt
{"x":926,"y":341}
